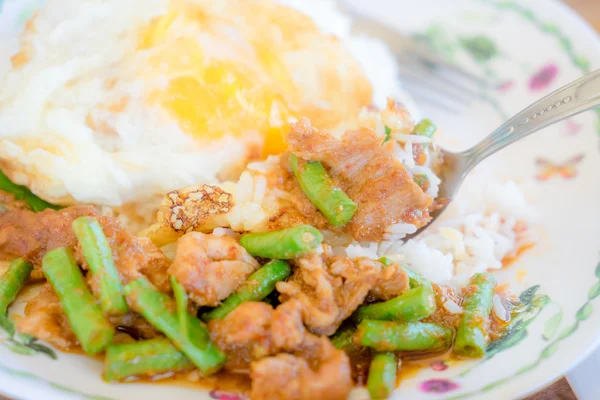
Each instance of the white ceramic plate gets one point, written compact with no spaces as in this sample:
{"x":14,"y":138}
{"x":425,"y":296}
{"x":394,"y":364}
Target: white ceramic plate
{"x":527,"y":48}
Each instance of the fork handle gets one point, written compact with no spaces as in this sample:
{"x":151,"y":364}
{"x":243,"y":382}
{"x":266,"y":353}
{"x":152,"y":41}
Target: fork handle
{"x":572,"y":99}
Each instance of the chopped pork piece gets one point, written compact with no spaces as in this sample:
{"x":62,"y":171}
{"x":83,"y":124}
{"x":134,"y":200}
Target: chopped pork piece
{"x":24,"y":233}
{"x":289,"y":377}
{"x":369,"y":174}
{"x":45,"y":320}
{"x":7,"y":200}
{"x":253,"y":334}
{"x":211,"y":267}
{"x":134,"y":256}
{"x":244,"y":334}
{"x":391,"y":282}
{"x":329,"y":289}
{"x":288,"y":329}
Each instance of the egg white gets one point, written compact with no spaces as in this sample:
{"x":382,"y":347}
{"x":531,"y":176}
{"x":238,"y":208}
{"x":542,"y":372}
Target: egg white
{"x":76,"y":122}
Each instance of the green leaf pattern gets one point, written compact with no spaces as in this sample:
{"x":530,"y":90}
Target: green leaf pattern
{"x":516,"y":332}
{"x":551,"y":326}
{"x":584,"y":312}
{"x":480,"y":47}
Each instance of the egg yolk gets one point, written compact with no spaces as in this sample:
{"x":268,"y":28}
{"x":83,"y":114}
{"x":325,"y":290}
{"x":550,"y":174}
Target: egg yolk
{"x":212,"y":97}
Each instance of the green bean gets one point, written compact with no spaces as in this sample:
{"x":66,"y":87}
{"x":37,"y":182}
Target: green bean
{"x":344,"y":339}
{"x":471,"y":337}
{"x":284,"y":244}
{"x":22,"y":193}
{"x":424,"y":128}
{"x":382,"y":376}
{"x":408,"y":336}
{"x":12,"y":281}
{"x":413,"y":305}
{"x":385,"y":261}
{"x":181,"y":302}
{"x":414,"y":279}
{"x":99,"y":257}
{"x":91,"y":328}
{"x":160,"y":311}
{"x":255,"y":288}
{"x":320,"y":189}
{"x":146,"y":358}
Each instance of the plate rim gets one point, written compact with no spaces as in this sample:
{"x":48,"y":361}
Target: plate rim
{"x":45,"y":388}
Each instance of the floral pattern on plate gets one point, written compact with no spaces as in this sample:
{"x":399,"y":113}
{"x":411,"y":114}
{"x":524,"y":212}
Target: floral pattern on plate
{"x":547,"y":327}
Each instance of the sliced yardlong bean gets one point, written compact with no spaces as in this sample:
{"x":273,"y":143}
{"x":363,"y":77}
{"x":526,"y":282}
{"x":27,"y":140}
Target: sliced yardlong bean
{"x":181,"y":301}
{"x":99,"y":257}
{"x":160,"y":310}
{"x":471,"y":336}
{"x":425,"y":128}
{"x":413,"y":305}
{"x":255,"y":288}
{"x":35,"y":203}
{"x":382,"y":376}
{"x":92,"y":329}
{"x":145,"y":358}
{"x":12,"y":281}
{"x":284,"y":244}
{"x":408,"y":336}
{"x":320,"y":189}
{"x":344,"y":339}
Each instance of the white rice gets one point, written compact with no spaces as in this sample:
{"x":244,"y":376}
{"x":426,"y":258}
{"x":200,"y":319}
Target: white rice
{"x":472,"y":242}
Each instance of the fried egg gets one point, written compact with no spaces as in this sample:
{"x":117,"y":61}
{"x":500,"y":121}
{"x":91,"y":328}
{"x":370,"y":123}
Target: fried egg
{"x":117,"y":102}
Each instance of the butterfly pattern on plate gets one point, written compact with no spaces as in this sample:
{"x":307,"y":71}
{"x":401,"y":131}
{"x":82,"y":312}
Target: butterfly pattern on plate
{"x":549,"y":169}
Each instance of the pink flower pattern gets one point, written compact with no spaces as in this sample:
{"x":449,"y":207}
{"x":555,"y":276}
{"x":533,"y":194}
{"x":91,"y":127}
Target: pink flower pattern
{"x":223,"y":395}
{"x":543,"y":78}
{"x":438,"y":386}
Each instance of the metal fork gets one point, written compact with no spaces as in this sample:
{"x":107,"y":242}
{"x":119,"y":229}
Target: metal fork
{"x":572,"y":99}
{"x":427,"y":77}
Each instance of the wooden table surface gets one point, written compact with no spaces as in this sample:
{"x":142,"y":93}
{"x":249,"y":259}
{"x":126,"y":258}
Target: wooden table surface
{"x":590,"y":11}
{"x":560,"y":390}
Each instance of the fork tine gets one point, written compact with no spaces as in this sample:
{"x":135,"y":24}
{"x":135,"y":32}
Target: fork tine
{"x":407,"y":47}
{"x":436,"y":101}
{"x":435,"y":86}
{"x":441,"y":78}
{"x":437,"y":64}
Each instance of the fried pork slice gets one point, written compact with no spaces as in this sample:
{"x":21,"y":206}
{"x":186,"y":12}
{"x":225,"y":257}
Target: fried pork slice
{"x":327,"y":375}
{"x":369,"y":174}
{"x":285,"y":361}
{"x":211,"y":267}
{"x":24,"y":233}
{"x":8,"y":201}
{"x":245,"y":335}
{"x":329,"y":289}
{"x":45,"y":320}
